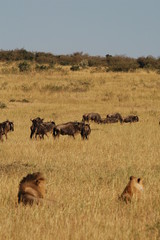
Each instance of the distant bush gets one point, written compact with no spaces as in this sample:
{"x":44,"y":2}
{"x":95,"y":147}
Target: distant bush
{"x":84,"y":63}
{"x":121,"y":64}
{"x":45,"y":61}
{"x":64,"y":63}
{"x":16,"y":55}
{"x":41,"y":67}
{"x":75,"y":68}
{"x":2,"y":105}
{"x":41,"y":58}
{"x":23,"y":100}
{"x":91,"y":62}
{"x":148,"y":63}
{"x":24,"y":66}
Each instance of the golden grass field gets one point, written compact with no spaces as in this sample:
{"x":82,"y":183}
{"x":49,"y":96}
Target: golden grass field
{"x":84,"y":177}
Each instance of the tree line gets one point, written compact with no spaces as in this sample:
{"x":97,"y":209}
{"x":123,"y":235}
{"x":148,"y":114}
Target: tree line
{"x":79,"y":60}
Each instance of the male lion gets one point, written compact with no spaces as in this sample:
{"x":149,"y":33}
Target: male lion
{"x":31,"y":189}
{"x":133,"y":188}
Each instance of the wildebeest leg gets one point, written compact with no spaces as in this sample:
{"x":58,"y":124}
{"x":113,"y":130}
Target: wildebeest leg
{"x":45,"y":134}
{"x":85,"y":137}
{"x":6,"y":134}
{"x":41,"y":136}
{"x":36,"y":136}
{"x":73,"y":136}
{"x":1,"y":138}
{"x":32,"y":133}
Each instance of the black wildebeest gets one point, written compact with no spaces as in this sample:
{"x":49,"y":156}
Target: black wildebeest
{"x":131,"y":118}
{"x":85,"y":131}
{"x":43,"y":128}
{"x":69,"y":128}
{"x":115,"y":116}
{"x":6,"y":127}
{"x":40,"y":128}
{"x":35,"y":123}
{"x":96,"y":117}
{"x":109,"y":120}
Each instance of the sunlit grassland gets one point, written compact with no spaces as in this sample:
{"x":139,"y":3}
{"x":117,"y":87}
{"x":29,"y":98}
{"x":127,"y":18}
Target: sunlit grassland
{"x":84,"y":178}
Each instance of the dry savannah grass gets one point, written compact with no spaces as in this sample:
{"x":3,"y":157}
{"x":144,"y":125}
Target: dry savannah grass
{"x":83,"y":177}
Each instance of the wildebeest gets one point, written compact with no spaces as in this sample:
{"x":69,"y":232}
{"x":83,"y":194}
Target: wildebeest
{"x":31,"y":189}
{"x":1,"y":134}
{"x":69,"y":128}
{"x":109,"y":120}
{"x":96,"y":117}
{"x":43,"y":128}
{"x":85,"y":131}
{"x":130,"y":119}
{"x":115,"y":116}
{"x":35,"y":123}
{"x":6,"y":127}
{"x":40,"y":128}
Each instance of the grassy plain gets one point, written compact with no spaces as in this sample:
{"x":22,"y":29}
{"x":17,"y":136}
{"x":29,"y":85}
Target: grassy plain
{"x":83,"y":177}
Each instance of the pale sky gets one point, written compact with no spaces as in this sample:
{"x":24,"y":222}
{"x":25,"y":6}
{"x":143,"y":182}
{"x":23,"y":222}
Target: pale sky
{"x":96,"y":27}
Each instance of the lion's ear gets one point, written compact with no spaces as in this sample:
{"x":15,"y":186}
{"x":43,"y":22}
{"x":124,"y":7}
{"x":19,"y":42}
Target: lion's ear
{"x":131,"y":178}
{"x":37,"y":182}
{"x":138,"y":180}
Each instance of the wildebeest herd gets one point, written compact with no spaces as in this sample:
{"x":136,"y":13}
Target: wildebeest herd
{"x":40,"y":128}
{"x":110,"y":118}
{"x":32,"y":187}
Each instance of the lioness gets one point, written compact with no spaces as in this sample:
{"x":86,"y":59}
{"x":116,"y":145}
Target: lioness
{"x":133,"y":188}
{"x":31,"y":189}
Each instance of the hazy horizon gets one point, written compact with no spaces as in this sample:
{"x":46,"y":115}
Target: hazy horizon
{"x":93,"y":27}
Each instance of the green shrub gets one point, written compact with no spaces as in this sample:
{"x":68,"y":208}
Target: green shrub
{"x":149,"y":62}
{"x":75,"y":68}
{"x":2,"y":105}
{"x":47,"y":61}
{"x":41,"y":67}
{"x":24,"y":67}
{"x":84,"y":63}
{"x":121,"y":64}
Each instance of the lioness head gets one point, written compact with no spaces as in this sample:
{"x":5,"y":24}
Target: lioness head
{"x":133,"y":188}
